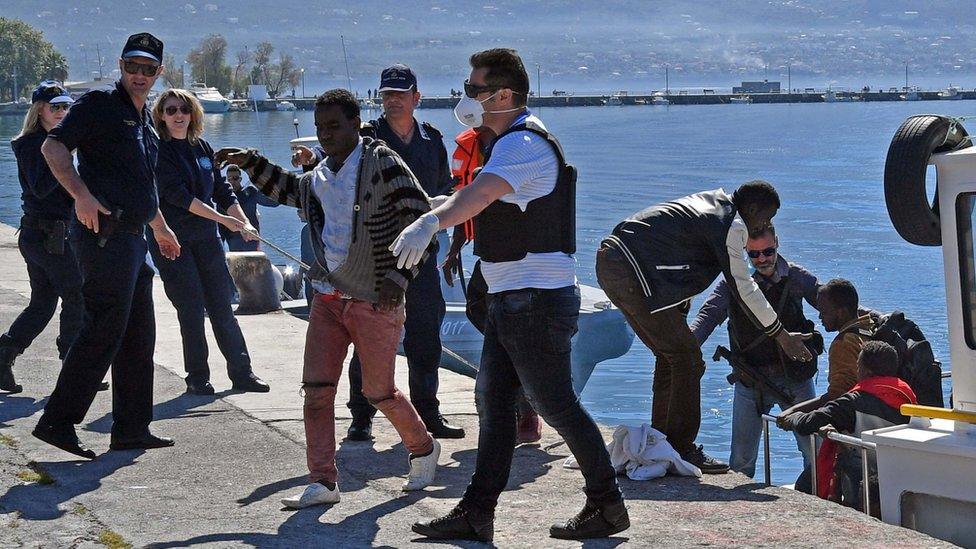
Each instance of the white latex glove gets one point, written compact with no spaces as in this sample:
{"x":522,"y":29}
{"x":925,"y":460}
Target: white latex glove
{"x":410,"y":244}
{"x":437,"y":201}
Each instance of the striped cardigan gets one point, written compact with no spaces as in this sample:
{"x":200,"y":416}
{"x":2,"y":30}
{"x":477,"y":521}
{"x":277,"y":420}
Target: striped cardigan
{"x":388,"y":198}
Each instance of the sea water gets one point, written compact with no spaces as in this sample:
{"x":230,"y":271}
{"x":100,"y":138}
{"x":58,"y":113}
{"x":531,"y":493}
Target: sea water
{"x":826,"y":160}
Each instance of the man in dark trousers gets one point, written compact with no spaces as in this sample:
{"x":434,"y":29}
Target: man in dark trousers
{"x":421,"y":146}
{"x":651,"y":266}
{"x":115,"y":197}
{"x":523,"y":203}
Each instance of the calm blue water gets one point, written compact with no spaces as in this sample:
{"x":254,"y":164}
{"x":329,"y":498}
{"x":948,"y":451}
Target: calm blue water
{"x":827,"y":160}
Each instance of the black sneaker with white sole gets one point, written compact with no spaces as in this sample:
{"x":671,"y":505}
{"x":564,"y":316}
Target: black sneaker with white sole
{"x":705,"y":462}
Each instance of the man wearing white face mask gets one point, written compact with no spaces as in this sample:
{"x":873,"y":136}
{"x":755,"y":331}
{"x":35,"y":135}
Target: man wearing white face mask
{"x":523,"y":205}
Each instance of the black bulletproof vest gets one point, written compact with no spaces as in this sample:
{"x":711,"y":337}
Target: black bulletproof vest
{"x":503,"y":232}
{"x":789,"y":309}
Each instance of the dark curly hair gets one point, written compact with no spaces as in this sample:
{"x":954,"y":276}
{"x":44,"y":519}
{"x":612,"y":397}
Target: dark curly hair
{"x":758,"y":192}
{"x":842,"y":293}
{"x":879,"y":358}
{"x":341,"y":98}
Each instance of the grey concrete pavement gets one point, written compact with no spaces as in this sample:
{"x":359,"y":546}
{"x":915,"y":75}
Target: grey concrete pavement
{"x":238,"y":454}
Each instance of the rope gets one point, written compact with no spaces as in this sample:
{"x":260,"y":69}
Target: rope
{"x":278,"y":249}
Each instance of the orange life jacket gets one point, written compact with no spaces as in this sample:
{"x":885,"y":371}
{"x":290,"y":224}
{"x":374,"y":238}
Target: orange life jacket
{"x":466,"y":160}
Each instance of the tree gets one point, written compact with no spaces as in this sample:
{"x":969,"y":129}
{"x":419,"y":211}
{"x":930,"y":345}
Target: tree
{"x":173,"y":76}
{"x":242,"y":75}
{"x":260,"y":74}
{"x":274,"y":75}
{"x":208,"y":63}
{"x":25,"y":52}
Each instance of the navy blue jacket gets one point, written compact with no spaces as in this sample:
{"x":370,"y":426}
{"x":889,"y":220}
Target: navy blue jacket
{"x":185,"y":172}
{"x":42,"y":195}
{"x":116,"y":147}
{"x":425,"y":155}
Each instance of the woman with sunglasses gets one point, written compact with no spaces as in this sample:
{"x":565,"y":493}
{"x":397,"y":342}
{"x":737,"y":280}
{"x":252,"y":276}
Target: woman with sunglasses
{"x":51,"y":263}
{"x":198,"y":282}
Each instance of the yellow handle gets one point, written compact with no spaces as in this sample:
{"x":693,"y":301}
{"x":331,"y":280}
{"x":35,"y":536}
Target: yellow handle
{"x":937,"y":413}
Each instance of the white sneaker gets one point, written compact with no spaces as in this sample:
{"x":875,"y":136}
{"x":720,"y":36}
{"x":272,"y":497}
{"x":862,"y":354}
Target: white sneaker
{"x":314,"y":494}
{"x":422,"y":470}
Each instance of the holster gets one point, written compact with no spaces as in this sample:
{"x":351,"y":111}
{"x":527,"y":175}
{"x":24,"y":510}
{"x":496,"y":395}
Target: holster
{"x":55,"y":232}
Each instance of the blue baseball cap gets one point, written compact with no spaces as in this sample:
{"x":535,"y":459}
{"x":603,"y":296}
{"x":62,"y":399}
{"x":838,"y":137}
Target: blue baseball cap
{"x":143,"y":44}
{"x":399,"y":77}
{"x":50,"y":91}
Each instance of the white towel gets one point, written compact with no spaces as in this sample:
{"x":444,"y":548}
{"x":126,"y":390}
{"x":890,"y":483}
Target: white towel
{"x":643,"y":453}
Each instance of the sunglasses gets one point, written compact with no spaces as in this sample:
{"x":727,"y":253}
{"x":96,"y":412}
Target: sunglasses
{"x":472,"y":90}
{"x":132,"y":67}
{"x":768,"y":252}
{"x":171,"y":110}
{"x":233,"y":178}
{"x":55,"y":107}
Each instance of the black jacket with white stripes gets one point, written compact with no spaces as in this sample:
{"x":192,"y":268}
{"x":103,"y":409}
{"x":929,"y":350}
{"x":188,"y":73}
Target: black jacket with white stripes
{"x":678,"y":248}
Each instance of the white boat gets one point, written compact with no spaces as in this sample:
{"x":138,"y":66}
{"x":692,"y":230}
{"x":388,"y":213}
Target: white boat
{"x":285,"y":106}
{"x":952,"y":92}
{"x":911,"y":95}
{"x":831,"y":97}
{"x":613,"y":101}
{"x":368,"y":104}
{"x":210,"y":98}
{"x":603,"y":332}
{"x":926,"y":468}
{"x":659,"y":98}
{"x":740,"y":100}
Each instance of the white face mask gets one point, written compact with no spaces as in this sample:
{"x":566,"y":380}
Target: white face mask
{"x":470,"y":112}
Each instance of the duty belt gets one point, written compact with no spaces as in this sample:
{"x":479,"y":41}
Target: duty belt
{"x":34,"y":222}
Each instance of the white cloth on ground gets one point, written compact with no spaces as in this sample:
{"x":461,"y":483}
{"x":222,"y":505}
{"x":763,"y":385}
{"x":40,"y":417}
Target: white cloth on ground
{"x":643,"y":453}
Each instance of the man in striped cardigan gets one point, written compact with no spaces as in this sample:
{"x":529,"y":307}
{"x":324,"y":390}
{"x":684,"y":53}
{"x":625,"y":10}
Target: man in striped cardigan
{"x":356,"y":201}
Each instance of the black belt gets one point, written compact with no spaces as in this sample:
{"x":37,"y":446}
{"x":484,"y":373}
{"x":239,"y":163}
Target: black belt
{"x":39,"y":223}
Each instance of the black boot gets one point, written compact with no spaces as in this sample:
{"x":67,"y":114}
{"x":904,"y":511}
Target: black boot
{"x":361,"y":428}
{"x":594,"y":522}
{"x":460,"y":523}
{"x":8,"y":354}
{"x":438,"y":427}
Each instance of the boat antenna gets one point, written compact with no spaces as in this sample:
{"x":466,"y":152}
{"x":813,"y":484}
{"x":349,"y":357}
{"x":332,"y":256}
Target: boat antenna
{"x":346,"y":61}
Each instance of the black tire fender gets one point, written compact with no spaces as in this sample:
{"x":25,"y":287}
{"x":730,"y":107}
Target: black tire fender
{"x":916,"y":140}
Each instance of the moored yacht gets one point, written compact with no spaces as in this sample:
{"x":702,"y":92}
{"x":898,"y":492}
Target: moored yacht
{"x":951,"y":92}
{"x":210,"y":98}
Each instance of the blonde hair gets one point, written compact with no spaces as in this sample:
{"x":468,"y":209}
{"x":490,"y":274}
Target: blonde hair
{"x":195,"y":129}
{"x":32,"y":120}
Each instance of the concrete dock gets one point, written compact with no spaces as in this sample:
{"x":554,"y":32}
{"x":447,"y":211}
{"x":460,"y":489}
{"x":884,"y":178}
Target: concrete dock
{"x":237,"y":454}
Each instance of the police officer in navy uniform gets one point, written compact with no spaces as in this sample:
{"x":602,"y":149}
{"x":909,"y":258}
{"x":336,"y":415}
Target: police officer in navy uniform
{"x":51,"y":264}
{"x":115,"y":197}
{"x":421,"y":146}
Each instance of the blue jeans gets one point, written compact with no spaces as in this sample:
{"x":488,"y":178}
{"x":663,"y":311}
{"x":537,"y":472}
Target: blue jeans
{"x":527,"y":345}
{"x":198,"y":282}
{"x":747,"y":423}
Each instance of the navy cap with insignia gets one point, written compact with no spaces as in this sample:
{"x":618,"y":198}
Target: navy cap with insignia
{"x":50,"y":91}
{"x":399,"y":77}
{"x":143,"y":44}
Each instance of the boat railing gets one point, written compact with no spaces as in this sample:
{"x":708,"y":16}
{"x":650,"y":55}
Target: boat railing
{"x":862,"y":445}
